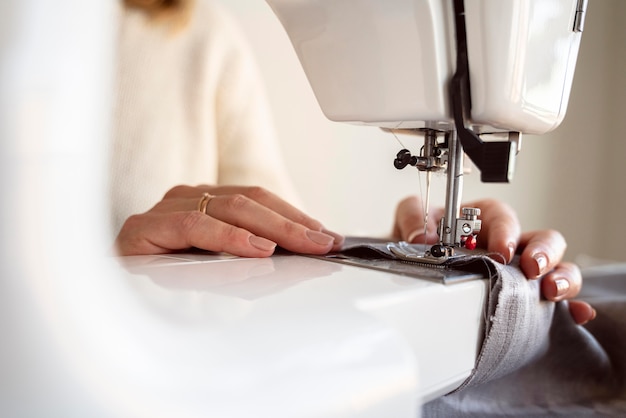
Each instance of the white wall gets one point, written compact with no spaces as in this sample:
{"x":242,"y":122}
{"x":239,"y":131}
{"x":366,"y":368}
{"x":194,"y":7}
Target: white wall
{"x":569,"y":180}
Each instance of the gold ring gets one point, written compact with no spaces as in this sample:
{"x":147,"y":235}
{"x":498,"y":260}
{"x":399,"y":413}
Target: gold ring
{"x":204,"y":202}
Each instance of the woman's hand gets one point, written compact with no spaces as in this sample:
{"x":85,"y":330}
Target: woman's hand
{"x":240,"y":220}
{"x":541,"y":252}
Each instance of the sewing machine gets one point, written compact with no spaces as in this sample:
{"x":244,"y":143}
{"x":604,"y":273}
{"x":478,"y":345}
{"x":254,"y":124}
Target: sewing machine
{"x":468,"y":76}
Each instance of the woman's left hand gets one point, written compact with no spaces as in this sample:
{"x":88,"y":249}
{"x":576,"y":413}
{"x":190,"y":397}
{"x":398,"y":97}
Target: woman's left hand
{"x":541,"y":252}
{"x":240,"y":220}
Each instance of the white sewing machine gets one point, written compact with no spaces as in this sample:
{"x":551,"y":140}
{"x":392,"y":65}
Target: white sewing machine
{"x":190,"y":335}
{"x":470,"y":76}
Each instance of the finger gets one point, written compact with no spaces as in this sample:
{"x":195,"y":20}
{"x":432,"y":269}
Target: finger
{"x":500,"y":229}
{"x":581,"y":312}
{"x":258,"y":194}
{"x":409,"y":222}
{"x":564,"y":282}
{"x":241,"y":211}
{"x":272,"y":201}
{"x":190,"y":192}
{"x":157,"y":233}
{"x":542,"y":251}
{"x":282,"y":207}
{"x":261,"y":196}
{"x":179,"y":204}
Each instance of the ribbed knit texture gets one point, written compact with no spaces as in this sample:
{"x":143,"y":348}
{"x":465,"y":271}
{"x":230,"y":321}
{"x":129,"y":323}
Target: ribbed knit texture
{"x":189,"y":109}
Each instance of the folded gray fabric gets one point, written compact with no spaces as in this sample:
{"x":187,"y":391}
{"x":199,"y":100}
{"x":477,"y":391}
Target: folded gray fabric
{"x":578,"y":372}
{"x":383,"y":255}
{"x":534,"y":360}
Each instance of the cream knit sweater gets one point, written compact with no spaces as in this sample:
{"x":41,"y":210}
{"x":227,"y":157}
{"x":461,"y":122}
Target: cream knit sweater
{"x":190,"y":109}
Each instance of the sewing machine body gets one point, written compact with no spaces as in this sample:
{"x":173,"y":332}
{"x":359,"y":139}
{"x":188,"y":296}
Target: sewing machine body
{"x":389,"y":63}
{"x":452,"y":69}
{"x":325,"y":339}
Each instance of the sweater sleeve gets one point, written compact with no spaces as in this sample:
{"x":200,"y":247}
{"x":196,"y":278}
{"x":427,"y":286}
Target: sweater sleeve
{"x":249,"y":152}
{"x":190,"y":108}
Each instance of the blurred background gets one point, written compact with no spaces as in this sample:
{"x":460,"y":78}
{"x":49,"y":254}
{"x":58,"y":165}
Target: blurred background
{"x":570,"y":179}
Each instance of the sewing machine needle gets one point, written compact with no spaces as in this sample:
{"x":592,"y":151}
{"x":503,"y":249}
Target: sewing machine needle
{"x":427,"y":205}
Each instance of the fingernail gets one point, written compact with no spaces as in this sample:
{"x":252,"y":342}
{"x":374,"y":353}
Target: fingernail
{"x":542,"y":262}
{"x":562,"y":287}
{"x":262,"y":243}
{"x":591,"y":318}
{"x":511,"y":248}
{"x":339,"y":239}
{"x":319,"y":237}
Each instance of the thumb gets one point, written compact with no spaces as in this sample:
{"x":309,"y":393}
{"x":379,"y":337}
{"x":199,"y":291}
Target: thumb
{"x":409,"y":224}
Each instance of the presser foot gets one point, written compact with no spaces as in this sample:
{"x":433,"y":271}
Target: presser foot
{"x":437,"y":255}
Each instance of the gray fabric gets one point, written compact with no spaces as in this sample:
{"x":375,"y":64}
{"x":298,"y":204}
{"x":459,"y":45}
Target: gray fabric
{"x":571,"y":370}
{"x":534,"y":360}
{"x":517,"y":326}
{"x":375,"y":254}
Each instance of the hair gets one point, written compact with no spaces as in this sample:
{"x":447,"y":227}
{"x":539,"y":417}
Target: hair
{"x":173,"y":13}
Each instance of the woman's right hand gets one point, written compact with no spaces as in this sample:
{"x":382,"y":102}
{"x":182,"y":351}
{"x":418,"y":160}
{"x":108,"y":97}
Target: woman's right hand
{"x":239,"y":220}
{"x":541,"y":252}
